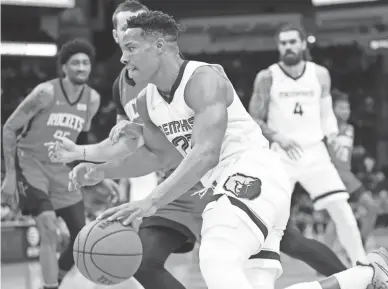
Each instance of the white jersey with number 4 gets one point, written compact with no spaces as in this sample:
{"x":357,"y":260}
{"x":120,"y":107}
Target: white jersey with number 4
{"x":176,"y":121}
{"x":294,"y":107}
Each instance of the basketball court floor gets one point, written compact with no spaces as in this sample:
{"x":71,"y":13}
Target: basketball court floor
{"x":183,"y":266}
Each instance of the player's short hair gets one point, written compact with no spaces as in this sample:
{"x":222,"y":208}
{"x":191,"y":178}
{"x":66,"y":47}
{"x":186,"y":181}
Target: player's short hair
{"x":154,"y":23}
{"x":128,"y":5}
{"x":73,"y":47}
{"x":338,"y":95}
{"x":291,"y":27}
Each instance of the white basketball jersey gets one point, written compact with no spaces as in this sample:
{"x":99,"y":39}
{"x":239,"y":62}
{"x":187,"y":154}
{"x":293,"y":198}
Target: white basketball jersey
{"x":176,"y":121}
{"x":294,"y":107}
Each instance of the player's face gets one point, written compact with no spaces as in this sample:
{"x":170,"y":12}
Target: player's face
{"x":78,"y":68}
{"x":342,"y":110}
{"x":291,"y":47}
{"x":140,"y":55}
{"x":121,"y":25}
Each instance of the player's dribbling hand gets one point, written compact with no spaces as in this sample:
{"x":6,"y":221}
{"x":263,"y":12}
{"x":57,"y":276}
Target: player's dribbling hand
{"x":292,"y":148}
{"x":129,"y":212}
{"x":85,"y":174}
{"x":125,"y":128}
{"x":9,"y":191}
{"x":63,"y":150}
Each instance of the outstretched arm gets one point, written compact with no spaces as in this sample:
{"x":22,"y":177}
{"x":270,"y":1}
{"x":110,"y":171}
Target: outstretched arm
{"x":141,"y":163}
{"x":157,"y":152}
{"x":258,"y":106}
{"x":40,"y":98}
{"x":105,"y":150}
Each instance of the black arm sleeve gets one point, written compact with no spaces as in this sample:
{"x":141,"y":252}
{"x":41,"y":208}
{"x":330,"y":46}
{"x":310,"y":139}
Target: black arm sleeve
{"x":116,"y":97}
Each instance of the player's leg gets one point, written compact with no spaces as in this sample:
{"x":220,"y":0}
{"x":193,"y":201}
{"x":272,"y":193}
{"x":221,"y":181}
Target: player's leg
{"x":347,"y":229}
{"x":232,"y":232}
{"x":368,"y":222}
{"x":373,"y":276}
{"x":46,"y":223}
{"x":360,"y":195}
{"x":159,"y":242}
{"x":330,"y":235}
{"x":227,"y":243}
{"x":74,"y":217}
{"x":34,"y":200}
{"x":317,"y":255}
{"x":329,"y":193}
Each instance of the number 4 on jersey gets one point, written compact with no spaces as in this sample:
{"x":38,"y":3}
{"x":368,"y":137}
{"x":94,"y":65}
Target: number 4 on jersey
{"x":298,"y":109}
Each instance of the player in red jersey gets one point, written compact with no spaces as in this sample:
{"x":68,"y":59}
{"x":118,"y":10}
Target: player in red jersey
{"x":62,"y":107}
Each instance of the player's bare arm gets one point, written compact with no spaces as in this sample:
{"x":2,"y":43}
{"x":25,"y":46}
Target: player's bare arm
{"x":65,"y":151}
{"x":157,"y":153}
{"x":39,"y":99}
{"x":206,"y":94}
{"x":328,"y":119}
{"x":258,"y":106}
{"x":258,"y":109}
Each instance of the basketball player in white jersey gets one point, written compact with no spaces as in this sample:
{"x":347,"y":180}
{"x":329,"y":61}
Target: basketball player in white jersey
{"x":292,"y":104}
{"x":194,"y":106}
{"x":176,"y":227}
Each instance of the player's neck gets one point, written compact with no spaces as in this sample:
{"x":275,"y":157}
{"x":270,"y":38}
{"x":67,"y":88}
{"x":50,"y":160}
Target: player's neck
{"x":168,"y":72}
{"x":73,"y":90}
{"x":294,"y":70}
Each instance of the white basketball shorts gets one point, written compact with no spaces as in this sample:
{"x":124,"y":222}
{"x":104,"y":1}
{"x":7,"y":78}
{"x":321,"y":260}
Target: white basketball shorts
{"x":255,"y":189}
{"x":316,"y":174}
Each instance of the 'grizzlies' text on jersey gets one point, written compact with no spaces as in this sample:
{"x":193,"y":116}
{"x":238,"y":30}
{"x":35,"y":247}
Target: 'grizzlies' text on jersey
{"x":176,"y":121}
{"x":341,"y":149}
{"x":61,"y":119}
{"x":294,"y":107}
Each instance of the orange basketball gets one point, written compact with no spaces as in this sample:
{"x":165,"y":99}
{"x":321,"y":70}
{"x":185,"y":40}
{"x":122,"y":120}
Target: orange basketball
{"x":107,"y":252}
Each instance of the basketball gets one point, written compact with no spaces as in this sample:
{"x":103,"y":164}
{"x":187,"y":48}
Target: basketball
{"x":107,"y":253}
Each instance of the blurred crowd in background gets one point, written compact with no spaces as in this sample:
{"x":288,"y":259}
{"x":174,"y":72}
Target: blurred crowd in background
{"x":352,"y":72}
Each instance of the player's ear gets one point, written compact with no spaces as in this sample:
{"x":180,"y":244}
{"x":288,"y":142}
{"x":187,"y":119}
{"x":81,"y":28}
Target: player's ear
{"x":63,"y":69}
{"x":160,"y":45}
{"x":115,"y":37}
{"x":304,"y":44}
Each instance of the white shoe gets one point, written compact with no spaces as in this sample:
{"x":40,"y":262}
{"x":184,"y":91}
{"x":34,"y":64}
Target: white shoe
{"x":379,"y":262}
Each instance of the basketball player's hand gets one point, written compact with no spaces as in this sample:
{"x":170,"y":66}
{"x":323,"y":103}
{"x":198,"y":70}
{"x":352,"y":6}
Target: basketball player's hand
{"x":85,"y":174}
{"x":129,"y":212}
{"x":114,"y":190}
{"x":331,"y":139}
{"x":292,"y":148}
{"x":63,"y":150}
{"x":9,"y":191}
{"x":126,"y":128}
